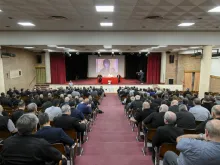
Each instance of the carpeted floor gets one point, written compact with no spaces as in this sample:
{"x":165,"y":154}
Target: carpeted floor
{"x":111,"y":141}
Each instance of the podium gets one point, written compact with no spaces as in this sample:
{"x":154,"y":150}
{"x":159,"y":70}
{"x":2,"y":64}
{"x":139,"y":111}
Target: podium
{"x":109,"y":80}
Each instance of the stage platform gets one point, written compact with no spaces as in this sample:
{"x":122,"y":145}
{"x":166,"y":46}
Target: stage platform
{"x":113,"y":88}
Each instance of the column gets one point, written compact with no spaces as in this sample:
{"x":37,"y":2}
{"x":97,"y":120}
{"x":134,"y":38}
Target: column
{"x":47,"y":67}
{"x":163,"y":68}
{"x":2,"y":79}
{"x":205,"y":71}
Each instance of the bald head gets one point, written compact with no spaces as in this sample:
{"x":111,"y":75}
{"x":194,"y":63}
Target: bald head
{"x":213,"y":129}
{"x":216,"y":111}
{"x":86,"y":101}
{"x":146,"y":105}
{"x":174,"y":102}
{"x":169,"y":117}
{"x":163,"y":108}
{"x":137,"y":97}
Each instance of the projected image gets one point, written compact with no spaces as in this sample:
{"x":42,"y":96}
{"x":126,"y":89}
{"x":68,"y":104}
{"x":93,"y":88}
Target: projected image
{"x":107,"y":67}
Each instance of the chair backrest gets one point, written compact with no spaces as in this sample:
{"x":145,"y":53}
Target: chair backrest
{"x":198,"y":122}
{"x":52,"y":124}
{"x":4,"y":134}
{"x":190,"y":131}
{"x":71,"y":133}
{"x":167,"y":147}
{"x":150,"y":133}
{"x":60,"y":147}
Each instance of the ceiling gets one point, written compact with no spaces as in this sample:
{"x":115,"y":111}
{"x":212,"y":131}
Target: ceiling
{"x":115,"y":48}
{"x":129,"y":15}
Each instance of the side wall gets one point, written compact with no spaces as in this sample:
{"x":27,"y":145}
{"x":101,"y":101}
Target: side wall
{"x":24,"y":60}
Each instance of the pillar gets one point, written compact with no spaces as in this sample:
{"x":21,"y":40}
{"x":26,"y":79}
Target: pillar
{"x":47,"y":67}
{"x":205,"y":71}
{"x":163,"y":68}
{"x":2,"y":79}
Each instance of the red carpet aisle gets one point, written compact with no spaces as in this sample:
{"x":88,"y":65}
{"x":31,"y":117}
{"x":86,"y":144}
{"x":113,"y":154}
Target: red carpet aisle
{"x":111,"y":141}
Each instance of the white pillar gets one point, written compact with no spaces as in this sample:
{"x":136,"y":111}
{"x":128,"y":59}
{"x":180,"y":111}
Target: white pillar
{"x":2,"y":79}
{"x":205,"y":71}
{"x":163,"y":67}
{"x":47,"y":67}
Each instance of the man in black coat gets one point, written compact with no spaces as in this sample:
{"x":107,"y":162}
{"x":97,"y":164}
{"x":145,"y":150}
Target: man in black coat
{"x":18,"y":113}
{"x":185,"y":119}
{"x":167,"y":133}
{"x":174,"y":106}
{"x":67,"y":122}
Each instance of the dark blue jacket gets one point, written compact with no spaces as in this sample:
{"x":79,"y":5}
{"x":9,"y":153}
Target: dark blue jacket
{"x":84,"y":108}
{"x":54,"y":135}
{"x":77,"y":114}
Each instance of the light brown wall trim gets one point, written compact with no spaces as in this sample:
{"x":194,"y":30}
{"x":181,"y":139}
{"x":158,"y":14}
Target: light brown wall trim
{"x":190,"y":71}
{"x":218,"y":77}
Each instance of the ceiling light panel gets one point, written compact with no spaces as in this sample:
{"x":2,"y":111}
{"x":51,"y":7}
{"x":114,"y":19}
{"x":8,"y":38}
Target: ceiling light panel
{"x":104,"y":8}
{"x":26,"y":24}
{"x":106,"y":24}
{"x":186,"y":24}
{"x":215,"y":10}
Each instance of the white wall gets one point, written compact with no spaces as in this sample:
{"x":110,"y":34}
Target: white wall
{"x":92,"y":64}
{"x":215,"y":67}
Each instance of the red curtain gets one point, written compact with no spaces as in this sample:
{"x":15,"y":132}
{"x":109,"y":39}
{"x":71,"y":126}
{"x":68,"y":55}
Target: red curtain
{"x":153,"y":68}
{"x":58,"y":68}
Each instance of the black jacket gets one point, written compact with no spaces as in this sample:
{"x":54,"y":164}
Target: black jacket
{"x":174,"y":108}
{"x":140,"y":116}
{"x":185,"y":120}
{"x":155,"y":119}
{"x":16,"y":115}
{"x":67,"y":122}
{"x":201,"y":127}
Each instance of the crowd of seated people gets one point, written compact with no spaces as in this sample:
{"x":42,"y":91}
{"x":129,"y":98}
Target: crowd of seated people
{"x":36,"y":119}
{"x":179,"y":118}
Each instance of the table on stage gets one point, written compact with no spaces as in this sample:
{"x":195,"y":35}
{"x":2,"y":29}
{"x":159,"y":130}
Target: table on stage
{"x":105,"y":80}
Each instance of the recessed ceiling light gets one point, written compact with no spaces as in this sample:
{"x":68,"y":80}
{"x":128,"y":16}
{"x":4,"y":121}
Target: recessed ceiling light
{"x":52,"y":46}
{"x":106,"y":24}
{"x":104,"y":8}
{"x":186,"y":24}
{"x":1,"y":10}
{"x":26,"y":24}
{"x":215,"y":9}
{"x":28,"y":47}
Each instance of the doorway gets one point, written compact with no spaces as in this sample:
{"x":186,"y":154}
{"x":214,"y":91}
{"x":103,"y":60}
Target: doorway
{"x":191,"y":80}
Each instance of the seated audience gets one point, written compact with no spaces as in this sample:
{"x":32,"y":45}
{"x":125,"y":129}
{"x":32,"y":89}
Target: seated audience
{"x":85,"y":107}
{"x":19,"y":112}
{"x":6,"y":123}
{"x":25,"y":149}
{"x":51,"y":134}
{"x":156,"y":119}
{"x":136,"y":105}
{"x":200,"y":113}
{"x":174,"y":106}
{"x":217,"y":100}
{"x":47,"y":103}
{"x":185,"y":119}
{"x":207,"y":103}
{"x":76,"y":112}
{"x":54,"y":111}
{"x":215,"y":115}
{"x":5,"y":101}
{"x":140,"y":116}
{"x":32,"y":108}
{"x":201,"y":149}
{"x":167,"y":133}
{"x":67,"y":122}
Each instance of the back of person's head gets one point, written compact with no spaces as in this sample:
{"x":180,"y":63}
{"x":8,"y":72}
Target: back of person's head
{"x":72,"y":104}
{"x":66,"y":109}
{"x":215,"y":111}
{"x":81,"y":99}
{"x":146,"y":105}
{"x":164,"y":102}
{"x":132,"y":98}
{"x":21,"y":104}
{"x":137,"y":97}
{"x":62,"y":96}
{"x":212,"y":130}
{"x":43,"y":118}
{"x":70,"y":96}
{"x":41,"y":96}
{"x":32,"y":107}
{"x":163,"y":108}
{"x":207,"y":98}
{"x":185,"y":101}
{"x":56,"y":102}
{"x":27,"y":124}
{"x":174,"y":102}
{"x":182,"y":107}
{"x":197,"y":101}
{"x":169,"y":118}
{"x":67,"y":99}
{"x":86,"y":101}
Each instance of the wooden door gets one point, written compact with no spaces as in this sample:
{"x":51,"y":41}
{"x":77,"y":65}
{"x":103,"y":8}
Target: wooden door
{"x":187,"y":80}
{"x":196,"y":81}
{"x":191,"y":80}
{"x":40,"y":75}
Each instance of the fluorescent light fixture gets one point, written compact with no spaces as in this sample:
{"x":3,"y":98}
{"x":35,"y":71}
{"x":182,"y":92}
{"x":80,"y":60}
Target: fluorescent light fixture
{"x":107,"y":46}
{"x":115,"y":50}
{"x":106,"y":24}
{"x":144,"y":50}
{"x":71,"y":50}
{"x":194,"y":47}
{"x":154,"y":47}
{"x":60,"y":47}
{"x":104,"y":8}
{"x":186,"y":24}
{"x":26,"y":24}
{"x":28,"y":47}
{"x":215,"y":10}
{"x":163,"y":46}
{"x":101,"y":50}
{"x":49,"y":50}
{"x":52,"y":46}
{"x":1,"y":10}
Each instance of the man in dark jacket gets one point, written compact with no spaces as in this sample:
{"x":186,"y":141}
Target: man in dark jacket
{"x":19,"y":112}
{"x":174,"y":106}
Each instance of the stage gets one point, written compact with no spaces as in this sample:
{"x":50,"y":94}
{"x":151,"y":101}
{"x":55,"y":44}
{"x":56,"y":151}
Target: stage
{"x":112,"y":88}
